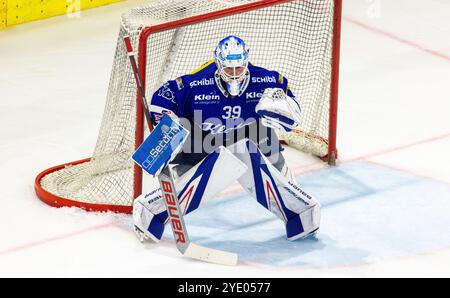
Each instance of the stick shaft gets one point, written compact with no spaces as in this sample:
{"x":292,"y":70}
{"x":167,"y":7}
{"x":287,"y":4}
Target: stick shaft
{"x":165,"y":178}
{"x":134,"y":66}
{"x":170,"y":197}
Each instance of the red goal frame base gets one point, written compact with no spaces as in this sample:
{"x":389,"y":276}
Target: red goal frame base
{"x":57,"y":201}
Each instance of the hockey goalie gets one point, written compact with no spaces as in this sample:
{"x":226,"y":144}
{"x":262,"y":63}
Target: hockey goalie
{"x":232,"y":109}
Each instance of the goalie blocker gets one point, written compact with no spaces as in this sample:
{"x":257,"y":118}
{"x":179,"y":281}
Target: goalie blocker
{"x":244,"y":162}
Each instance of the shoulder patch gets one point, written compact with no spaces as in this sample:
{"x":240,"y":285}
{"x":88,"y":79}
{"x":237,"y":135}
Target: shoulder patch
{"x":280,"y":78}
{"x":179,"y":83}
{"x":166,"y":93}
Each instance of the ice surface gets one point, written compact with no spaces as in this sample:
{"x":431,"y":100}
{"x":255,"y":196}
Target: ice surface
{"x":386,"y":207}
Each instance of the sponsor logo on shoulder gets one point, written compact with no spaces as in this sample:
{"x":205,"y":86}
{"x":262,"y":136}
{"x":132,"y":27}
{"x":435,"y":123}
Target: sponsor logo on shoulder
{"x":202,"y":82}
{"x":266,"y":79}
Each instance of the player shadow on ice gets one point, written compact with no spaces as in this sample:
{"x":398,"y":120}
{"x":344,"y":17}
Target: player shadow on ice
{"x":315,"y":251}
{"x":359,"y":204}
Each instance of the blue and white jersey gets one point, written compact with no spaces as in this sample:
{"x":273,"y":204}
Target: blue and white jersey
{"x":201,"y":98}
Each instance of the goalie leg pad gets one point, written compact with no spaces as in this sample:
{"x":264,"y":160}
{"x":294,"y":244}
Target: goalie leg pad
{"x":212,"y":175}
{"x":303,"y":225}
{"x":147,"y":209}
{"x":279,"y":194}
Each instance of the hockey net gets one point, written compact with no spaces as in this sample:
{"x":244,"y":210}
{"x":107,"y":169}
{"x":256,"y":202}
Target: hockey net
{"x":173,"y":37}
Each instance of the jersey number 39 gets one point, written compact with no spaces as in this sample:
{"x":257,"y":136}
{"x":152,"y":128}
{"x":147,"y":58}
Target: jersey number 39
{"x":232,"y":112}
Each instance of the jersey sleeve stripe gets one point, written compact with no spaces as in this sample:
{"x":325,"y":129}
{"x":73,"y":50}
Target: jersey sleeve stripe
{"x":205,"y":65}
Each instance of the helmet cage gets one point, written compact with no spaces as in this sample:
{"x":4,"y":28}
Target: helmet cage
{"x":231,"y":58}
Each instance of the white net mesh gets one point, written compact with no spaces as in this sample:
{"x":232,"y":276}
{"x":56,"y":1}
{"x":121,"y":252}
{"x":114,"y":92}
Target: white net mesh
{"x":294,"y":38}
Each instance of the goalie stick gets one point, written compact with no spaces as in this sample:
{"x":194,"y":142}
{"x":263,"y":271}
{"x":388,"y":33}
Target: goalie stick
{"x":184,"y":245}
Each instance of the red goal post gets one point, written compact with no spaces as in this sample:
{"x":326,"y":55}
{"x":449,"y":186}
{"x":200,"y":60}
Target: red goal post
{"x":52,"y":191}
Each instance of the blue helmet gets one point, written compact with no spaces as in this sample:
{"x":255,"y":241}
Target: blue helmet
{"x":231,"y":56}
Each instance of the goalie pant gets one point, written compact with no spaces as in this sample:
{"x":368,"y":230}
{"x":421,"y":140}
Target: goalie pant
{"x":243,"y":161}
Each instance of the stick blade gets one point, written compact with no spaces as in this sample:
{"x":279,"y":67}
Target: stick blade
{"x":210,"y":255}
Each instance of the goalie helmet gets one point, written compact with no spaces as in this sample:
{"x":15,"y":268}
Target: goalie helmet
{"x":231,"y":56}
